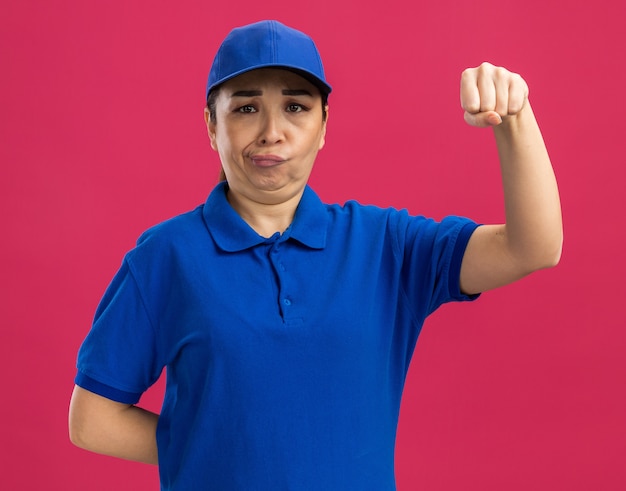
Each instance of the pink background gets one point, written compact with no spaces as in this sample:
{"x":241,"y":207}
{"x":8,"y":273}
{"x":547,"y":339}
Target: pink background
{"x":101,"y":136}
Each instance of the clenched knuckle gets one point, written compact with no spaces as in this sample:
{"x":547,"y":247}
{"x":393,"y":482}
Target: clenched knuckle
{"x":470,"y":107}
{"x":467,"y":73}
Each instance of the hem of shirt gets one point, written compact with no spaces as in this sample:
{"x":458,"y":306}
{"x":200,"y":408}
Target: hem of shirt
{"x":117,"y":395}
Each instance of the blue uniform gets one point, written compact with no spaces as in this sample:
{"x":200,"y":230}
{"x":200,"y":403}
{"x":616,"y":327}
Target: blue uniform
{"x":286,"y":356}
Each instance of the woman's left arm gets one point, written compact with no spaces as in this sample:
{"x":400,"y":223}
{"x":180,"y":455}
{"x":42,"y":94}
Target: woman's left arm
{"x":531,"y":239}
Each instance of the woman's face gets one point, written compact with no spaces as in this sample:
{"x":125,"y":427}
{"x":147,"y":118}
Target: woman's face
{"x":267,"y":131}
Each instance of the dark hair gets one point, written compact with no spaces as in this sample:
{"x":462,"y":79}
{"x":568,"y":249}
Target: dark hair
{"x":212,"y":100}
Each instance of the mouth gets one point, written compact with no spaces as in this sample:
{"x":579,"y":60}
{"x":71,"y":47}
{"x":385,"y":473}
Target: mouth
{"x":266,"y":160}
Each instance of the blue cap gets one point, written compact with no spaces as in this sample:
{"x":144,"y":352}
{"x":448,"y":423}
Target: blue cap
{"x":267,"y":44}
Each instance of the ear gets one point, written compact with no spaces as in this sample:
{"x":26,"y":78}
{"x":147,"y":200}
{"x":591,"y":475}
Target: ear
{"x":324,"y":123}
{"x":210,"y":126}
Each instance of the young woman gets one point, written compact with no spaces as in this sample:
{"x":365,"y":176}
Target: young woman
{"x":286,"y":325}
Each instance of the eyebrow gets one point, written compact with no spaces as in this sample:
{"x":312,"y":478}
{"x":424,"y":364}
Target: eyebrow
{"x":297,"y":92}
{"x":255,"y":93}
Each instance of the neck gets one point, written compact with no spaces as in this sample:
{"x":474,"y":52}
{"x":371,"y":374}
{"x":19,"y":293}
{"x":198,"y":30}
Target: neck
{"x":265,"y":219}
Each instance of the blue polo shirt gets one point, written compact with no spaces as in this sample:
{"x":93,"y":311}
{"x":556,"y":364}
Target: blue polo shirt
{"x":286,"y":356}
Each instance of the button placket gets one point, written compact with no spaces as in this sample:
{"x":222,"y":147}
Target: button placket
{"x":280,"y":269}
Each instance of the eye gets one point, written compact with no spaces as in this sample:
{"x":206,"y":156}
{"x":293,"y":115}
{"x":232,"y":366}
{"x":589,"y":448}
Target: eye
{"x":295,"y":108}
{"x":246,"y":109}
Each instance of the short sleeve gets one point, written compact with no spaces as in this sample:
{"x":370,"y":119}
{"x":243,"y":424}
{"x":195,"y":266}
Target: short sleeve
{"x":432,"y":257}
{"x":118,"y":358}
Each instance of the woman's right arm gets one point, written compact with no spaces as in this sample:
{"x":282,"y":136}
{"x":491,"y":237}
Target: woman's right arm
{"x":111,"y":428}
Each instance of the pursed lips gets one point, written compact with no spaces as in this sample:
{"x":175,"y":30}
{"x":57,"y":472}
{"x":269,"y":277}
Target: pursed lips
{"x":266,"y":160}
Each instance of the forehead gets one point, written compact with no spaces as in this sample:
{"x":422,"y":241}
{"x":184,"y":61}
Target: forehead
{"x":269,"y":78}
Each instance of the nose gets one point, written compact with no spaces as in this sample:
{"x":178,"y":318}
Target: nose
{"x":272,"y":130}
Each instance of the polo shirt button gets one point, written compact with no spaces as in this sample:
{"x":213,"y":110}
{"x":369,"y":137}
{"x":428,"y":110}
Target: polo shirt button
{"x":286,"y":301}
